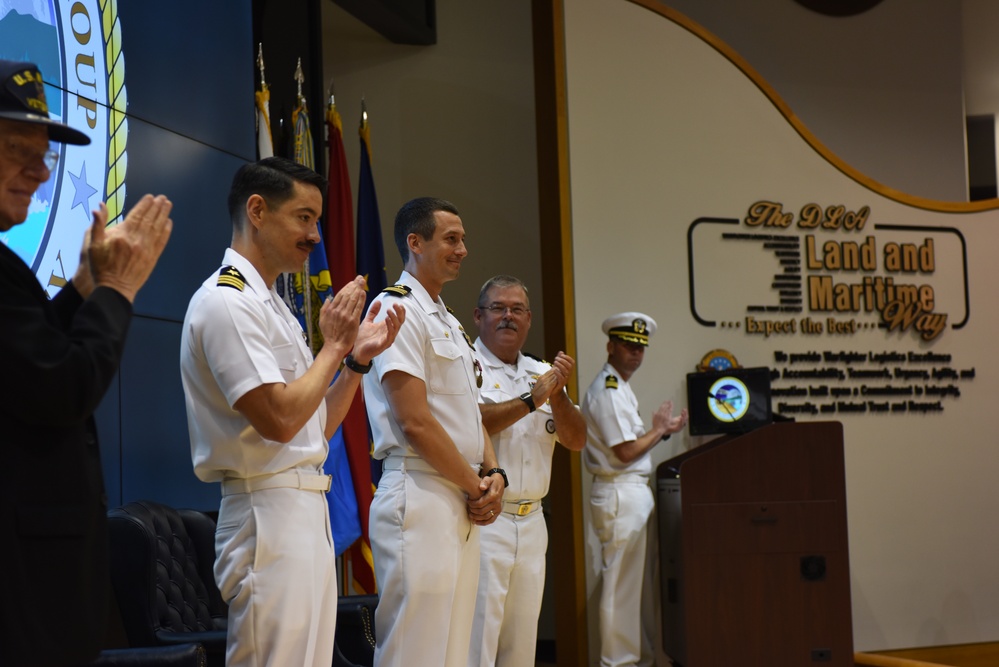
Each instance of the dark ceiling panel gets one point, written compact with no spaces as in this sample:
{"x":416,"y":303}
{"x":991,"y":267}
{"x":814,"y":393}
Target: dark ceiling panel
{"x":399,"y":21}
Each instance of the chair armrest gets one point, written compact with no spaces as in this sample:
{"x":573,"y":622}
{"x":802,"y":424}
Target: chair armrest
{"x":181,"y":655}
{"x":214,"y":641}
{"x":355,"y":629}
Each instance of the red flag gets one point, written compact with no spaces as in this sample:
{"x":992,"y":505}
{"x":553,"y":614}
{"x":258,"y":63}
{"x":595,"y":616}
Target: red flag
{"x":340,"y":207}
{"x":340,"y":252}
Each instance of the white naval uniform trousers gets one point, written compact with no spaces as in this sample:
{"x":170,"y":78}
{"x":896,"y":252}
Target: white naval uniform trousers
{"x":425,"y":548}
{"x":621,"y":504}
{"x":512,"y":562}
{"x":276,"y":568}
{"x":275,"y":562}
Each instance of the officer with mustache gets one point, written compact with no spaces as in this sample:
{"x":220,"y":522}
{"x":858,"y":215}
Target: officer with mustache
{"x":526,"y":411}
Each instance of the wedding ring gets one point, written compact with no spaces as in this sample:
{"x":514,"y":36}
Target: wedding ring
{"x":491,"y":514}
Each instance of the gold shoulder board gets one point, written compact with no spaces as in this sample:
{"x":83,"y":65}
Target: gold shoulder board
{"x":398,"y":290}
{"x":229,"y":276}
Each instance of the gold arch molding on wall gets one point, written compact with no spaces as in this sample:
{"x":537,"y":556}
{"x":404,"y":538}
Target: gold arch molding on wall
{"x":732,"y":56}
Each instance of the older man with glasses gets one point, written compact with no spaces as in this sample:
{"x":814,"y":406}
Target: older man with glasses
{"x":526,"y":411}
{"x":59,"y":357}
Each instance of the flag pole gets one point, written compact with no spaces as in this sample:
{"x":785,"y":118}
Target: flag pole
{"x":260,"y":65}
{"x":265,"y":141}
{"x":306,"y":280}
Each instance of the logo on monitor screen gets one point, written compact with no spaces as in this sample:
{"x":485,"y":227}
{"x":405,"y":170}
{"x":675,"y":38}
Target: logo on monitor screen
{"x":728,"y":399}
{"x":77,"y":47}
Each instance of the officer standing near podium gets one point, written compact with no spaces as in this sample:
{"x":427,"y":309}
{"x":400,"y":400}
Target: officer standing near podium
{"x":618,"y":454}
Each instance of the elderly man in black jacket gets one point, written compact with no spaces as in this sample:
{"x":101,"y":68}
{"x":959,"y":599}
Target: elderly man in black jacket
{"x":58,"y":358}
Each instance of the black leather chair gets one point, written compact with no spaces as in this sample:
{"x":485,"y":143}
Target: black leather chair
{"x":355,"y":631}
{"x":181,"y":655}
{"x":161,"y":571}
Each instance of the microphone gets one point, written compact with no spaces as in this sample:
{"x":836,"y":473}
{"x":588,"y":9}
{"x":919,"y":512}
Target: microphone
{"x":723,"y":402}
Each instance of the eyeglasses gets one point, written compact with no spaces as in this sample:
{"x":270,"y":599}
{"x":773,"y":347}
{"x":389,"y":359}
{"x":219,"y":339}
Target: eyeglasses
{"x":25,"y":156}
{"x":516,"y":311}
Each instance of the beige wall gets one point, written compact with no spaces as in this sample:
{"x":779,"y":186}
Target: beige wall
{"x":452,"y":120}
{"x":882,"y":89}
{"x":702,"y":139}
{"x":457,"y":120}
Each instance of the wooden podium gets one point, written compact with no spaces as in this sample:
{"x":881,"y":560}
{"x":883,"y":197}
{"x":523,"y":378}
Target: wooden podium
{"x":753,"y":550}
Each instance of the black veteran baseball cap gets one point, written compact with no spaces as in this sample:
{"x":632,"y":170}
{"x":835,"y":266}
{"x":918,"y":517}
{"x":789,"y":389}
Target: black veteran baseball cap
{"x":22,"y":98}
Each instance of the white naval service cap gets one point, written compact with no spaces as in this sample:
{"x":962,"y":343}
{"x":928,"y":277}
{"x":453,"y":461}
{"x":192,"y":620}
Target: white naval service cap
{"x":631,"y":327}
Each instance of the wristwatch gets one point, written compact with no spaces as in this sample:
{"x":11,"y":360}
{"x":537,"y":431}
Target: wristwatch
{"x":493,"y":471}
{"x":527,"y":398}
{"x":353,"y":365}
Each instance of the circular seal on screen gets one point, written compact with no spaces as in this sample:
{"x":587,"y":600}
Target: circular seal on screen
{"x":728,"y":399}
{"x":77,"y":47}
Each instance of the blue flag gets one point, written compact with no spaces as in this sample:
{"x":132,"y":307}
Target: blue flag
{"x":304,"y":293}
{"x":344,"y":522}
{"x":370,"y":251}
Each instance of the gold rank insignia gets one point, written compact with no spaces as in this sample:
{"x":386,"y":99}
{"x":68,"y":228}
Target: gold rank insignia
{"x":398,"y":290}
{"x":229,"y":276}
{"x":610,"y":382}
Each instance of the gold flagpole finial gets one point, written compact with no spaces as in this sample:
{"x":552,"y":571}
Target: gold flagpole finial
{"x":299,"y":78}
{"x":364,"y":112}
{"x":260,"y":65}
{"x":332,"y":94}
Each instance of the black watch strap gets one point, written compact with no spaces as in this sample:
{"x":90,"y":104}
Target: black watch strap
{"x":527,"y":398}
{"x":352,"y":364}
{"x":493,"y":471}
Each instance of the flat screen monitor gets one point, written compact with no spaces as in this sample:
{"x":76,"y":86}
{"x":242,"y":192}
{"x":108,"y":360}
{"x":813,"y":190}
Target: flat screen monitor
{"x":736,"y":400}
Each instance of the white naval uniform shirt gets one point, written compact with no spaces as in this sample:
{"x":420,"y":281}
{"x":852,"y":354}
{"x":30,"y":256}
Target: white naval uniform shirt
{"x":610,"y":409}
{"x":233,"y":341}
{"x":432,"y":346}
{"x":524,"y":449}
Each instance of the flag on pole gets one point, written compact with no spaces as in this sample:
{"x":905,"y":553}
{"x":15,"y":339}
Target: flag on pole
{"x":307,"y":290}
{"x":265,"y":142}
{"x":370,"y":251}
{"x":339,"y":230}
{"x":304,"y":297}
{"x":370,"y":264}
{"x":339,"y":207}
